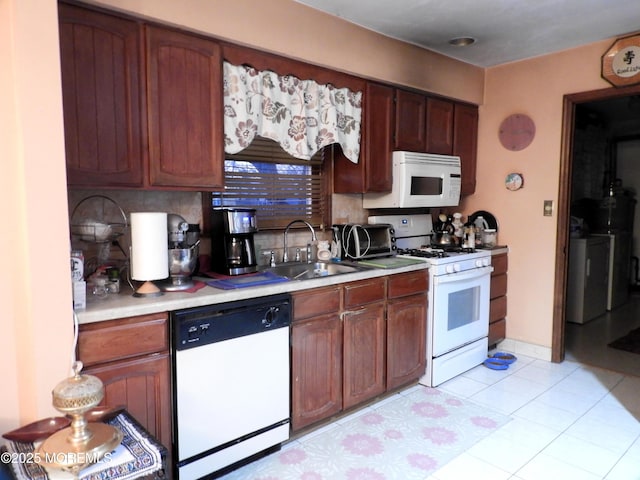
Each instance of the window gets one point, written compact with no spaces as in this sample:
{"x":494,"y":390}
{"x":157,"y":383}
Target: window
{"x":281,"y":188}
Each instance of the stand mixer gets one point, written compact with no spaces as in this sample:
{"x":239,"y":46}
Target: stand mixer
{"x":183,"y":253}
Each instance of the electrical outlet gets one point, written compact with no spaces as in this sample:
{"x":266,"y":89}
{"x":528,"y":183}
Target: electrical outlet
{"x":548,"y":208}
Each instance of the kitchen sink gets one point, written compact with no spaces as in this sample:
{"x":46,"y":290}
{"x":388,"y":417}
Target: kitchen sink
{"x":305,"y":271}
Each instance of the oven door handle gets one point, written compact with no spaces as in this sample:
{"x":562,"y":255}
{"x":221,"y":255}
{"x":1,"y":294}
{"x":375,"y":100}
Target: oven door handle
{"x":461,"y":276}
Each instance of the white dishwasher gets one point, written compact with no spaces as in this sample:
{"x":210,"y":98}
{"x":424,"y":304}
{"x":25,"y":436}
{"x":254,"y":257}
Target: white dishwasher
{"x":230,"y":380}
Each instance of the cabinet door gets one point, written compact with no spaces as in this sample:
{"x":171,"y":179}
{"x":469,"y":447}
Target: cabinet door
{"x":316,"y":370}
{"x":373,"y":171}
{"x":142,"y":385}
{"x":406,"y":340}
{"x":185,"y":110}
{"x":364,"y":354}
{"x":439,"y":126}
{"x":102,"y":99}
{"x":378,"y":137}
{"x":410,"y":129}
{"x":465,"y":144}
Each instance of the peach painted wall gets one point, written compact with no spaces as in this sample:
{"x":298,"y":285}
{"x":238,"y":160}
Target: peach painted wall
{"x":534,"y":87}
{"x":35,"y":293}
{"x":297,"y":31}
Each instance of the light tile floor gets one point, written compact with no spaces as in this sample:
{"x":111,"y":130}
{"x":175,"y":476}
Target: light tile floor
{"x":570,"y":421}
{"x":579,"y":419}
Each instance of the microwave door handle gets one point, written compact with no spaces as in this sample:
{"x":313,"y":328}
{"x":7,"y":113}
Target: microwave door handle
{"x":468,"y":275}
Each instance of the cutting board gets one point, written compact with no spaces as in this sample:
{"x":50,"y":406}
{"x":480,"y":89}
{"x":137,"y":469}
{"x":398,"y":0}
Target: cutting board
{"x":390,"y":262}
{"x":265,"y":278}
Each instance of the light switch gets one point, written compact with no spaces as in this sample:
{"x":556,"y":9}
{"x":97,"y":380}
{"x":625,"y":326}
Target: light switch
{"x":548,"y":208}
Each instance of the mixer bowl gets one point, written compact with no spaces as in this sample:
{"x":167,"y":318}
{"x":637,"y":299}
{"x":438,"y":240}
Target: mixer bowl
{"x":182,"y":264}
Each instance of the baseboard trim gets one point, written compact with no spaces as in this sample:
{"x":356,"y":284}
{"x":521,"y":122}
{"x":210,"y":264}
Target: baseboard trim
{"x":524,"y":348}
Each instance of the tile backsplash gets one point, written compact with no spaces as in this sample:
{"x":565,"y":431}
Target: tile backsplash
{"x":346,"y":208}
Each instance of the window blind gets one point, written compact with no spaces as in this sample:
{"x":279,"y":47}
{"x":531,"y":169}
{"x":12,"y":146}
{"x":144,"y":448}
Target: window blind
{"x":280,"y":187}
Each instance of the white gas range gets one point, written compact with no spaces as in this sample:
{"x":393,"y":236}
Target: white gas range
{"x":458,"y":299}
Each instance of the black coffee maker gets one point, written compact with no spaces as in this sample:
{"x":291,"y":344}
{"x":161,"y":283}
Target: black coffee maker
{"x":232,"y":248}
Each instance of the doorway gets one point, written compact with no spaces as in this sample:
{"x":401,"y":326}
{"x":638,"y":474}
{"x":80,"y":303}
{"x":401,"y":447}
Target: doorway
{"x":571,"y":103}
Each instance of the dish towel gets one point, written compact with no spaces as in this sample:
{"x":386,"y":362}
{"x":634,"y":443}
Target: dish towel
{"x":136,"y":456}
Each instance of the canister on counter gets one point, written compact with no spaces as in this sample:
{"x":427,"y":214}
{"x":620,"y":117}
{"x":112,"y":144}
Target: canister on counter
{"x":489,"y":237}
{"x":77,"y":265}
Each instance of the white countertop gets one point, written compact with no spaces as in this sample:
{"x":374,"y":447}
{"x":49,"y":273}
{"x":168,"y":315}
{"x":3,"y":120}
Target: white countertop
{"x":498,"y":249}
{"x":125,"y":304}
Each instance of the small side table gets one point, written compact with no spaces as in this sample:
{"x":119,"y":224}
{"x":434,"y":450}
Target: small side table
{"x":134,"y":443}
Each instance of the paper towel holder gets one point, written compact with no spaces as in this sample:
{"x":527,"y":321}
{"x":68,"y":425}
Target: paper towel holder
{"x":149,"y":254}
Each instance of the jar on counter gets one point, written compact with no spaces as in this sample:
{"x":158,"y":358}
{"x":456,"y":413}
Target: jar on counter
{"x":458,"y":225}
{"x":480,"y":224}
{"x":469,"y":236}
{"x":489,"y":237}
{"x":99,"y":287}
{"x":77,"y":265}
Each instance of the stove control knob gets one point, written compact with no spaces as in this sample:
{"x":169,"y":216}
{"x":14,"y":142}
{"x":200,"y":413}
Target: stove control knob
{"x":483,"y":262}
{"x":452,"y":268}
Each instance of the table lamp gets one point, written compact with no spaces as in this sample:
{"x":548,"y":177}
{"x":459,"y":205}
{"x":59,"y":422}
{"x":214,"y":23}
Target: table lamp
{"x":149,"y":251}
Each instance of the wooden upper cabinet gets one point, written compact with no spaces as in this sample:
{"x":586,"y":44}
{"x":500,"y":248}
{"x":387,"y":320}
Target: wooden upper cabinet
{"x":102,"y":100}
{"x":439,"y":136}
{"x":184,"y":89}
{"x":410,"y":121}
{"x":378,"y":125}
{"x":372,"y":173}
{"x":465,"y":144}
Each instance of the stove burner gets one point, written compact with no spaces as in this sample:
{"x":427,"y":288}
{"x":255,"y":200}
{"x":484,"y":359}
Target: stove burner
{"x":424,"y":252}
{"x":453,"y":249}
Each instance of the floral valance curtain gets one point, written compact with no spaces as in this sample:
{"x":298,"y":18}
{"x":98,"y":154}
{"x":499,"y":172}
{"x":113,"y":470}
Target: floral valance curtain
{"x":301,"y":115}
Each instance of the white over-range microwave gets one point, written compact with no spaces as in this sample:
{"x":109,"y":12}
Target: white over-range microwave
{"x":420,"y":180}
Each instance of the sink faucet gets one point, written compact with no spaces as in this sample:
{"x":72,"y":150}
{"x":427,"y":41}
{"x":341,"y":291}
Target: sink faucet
{"x":285,"y":255}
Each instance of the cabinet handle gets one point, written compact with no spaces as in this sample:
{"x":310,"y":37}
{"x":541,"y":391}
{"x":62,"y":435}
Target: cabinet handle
{"x":588,"y":267}
{"x":351,"y":312}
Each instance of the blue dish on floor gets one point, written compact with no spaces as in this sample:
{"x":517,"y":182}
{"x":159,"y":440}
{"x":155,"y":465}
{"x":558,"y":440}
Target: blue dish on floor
{"x":495,"y":364}
{"x":508,"y":358}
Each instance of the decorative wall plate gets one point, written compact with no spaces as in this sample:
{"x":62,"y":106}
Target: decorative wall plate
{"x":514,"y":181}
{"x":516,"y":132}
{"x":621,"y":63}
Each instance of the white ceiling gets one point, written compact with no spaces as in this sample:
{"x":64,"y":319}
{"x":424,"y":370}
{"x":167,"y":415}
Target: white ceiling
{"x":505,"y":30}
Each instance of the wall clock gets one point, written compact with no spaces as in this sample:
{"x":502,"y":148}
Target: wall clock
{"x":516,"y":132}
{"x":514,"y":181}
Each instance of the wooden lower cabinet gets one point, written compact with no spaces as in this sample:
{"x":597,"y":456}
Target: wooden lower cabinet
{"x":142,"y":385}
{"x":498,"y":303}
{"x":316,"y":379}
{"x":131,"y":357}
{"x":353,"y":342}
{"x":406,"y":340}
{"x":364,"y":354}
{"x":316,"y":356}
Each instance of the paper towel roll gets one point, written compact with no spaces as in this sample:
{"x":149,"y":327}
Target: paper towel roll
{"x":149,"y":246}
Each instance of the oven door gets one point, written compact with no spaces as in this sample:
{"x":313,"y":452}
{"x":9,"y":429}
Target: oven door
{"x":459,"y":309}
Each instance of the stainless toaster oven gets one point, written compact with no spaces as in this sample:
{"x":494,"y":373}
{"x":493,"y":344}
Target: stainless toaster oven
{"x":362,"y":241}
